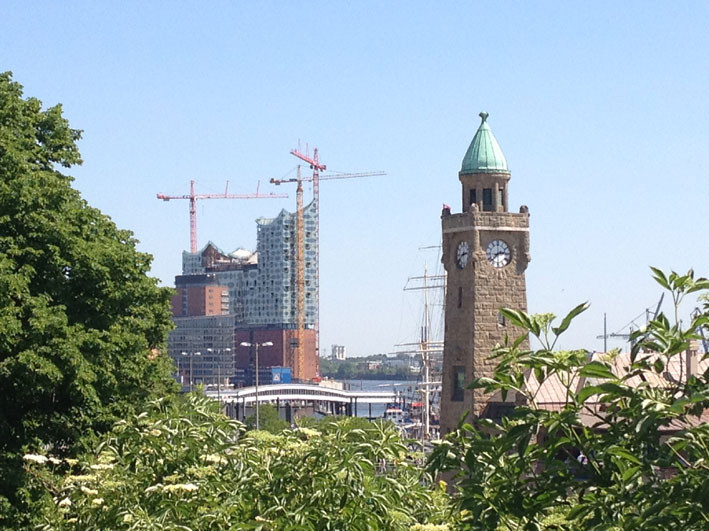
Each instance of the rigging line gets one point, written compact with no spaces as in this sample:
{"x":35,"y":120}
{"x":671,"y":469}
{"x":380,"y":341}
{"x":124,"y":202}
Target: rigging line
{"x":289,"y":172}
{"x":632,"y":321}
{"x":334,"y":173}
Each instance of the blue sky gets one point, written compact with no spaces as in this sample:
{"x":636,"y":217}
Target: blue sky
{"x":601,"y":109}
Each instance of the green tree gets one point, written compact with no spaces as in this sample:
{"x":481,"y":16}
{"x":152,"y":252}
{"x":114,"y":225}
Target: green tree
{"x":79,"y":316}
{"x":644,"y":451}
{"x":346,"y":371}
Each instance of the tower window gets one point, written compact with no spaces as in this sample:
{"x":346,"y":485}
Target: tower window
{"x":460,"y":297}
{"x":473,"y":197}
{"x":458,"y":383}
{"x":501,"y":320}
{"x":487,"y":199}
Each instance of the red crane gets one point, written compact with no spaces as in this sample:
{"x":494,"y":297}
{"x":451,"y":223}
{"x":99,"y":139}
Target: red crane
{"x":226,"y":195}
{"x":298,"y":365}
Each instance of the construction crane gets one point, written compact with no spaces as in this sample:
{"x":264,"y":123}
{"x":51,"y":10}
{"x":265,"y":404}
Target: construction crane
{"x":648,"y":318}
{"x":226,"y":195}
{"x":298,"y":360}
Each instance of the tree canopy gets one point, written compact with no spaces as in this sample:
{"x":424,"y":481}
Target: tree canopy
{"x":81,"y":322}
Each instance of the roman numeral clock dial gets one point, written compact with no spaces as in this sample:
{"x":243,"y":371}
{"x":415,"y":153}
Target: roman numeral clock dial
{"x":498,"y":253}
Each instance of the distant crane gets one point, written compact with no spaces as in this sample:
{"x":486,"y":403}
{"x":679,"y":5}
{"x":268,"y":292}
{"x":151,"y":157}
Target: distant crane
{"x":314,"y":163}
{"x":648,"y":318}
{"x":226,"y":195}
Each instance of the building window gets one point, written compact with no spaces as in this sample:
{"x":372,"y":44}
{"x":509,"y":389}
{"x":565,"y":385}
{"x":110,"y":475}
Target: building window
{"x":487,"y":199}
{"x":473,"y":197}
{"x":460,"y":297}
{"x":501,"y":320}
{"x":458,"y":383}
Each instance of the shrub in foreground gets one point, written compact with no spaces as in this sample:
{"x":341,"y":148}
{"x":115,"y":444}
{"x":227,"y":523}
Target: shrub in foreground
{"x":185,"y":465}
{"x":627,"y":448}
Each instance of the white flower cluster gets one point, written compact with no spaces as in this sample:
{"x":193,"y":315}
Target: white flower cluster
{"x":102,"y":466}
{"x":177,"y":487}
{"x":35,"y":458}
{"x":42,"y":459}
{"x":88,"y":491}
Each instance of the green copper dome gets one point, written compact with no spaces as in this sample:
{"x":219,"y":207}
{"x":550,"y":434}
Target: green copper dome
{"x":484,"y":154}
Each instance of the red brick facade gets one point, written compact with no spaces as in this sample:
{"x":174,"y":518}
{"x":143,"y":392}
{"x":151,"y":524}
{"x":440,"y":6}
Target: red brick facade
{"x":279,"y":354}
{"x":193,"y":301}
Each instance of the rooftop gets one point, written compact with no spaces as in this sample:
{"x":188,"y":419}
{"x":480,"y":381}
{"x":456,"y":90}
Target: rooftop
{"x":484,"y":154}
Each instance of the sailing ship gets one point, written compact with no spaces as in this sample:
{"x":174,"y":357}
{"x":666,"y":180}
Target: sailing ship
{"x":419,"y":416}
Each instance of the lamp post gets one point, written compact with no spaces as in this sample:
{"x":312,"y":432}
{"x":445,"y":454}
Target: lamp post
{"x":256,"y":346}
{"x":191,"y":355}
{"x":219,"y":373}
{"x":211,"y":356}
{"x":219,"y":370}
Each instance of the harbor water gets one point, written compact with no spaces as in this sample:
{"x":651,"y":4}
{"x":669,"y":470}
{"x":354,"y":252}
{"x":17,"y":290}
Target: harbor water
{"x":405,"y":387}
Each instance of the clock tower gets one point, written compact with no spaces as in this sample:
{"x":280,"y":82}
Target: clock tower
{"x":485,"y":254}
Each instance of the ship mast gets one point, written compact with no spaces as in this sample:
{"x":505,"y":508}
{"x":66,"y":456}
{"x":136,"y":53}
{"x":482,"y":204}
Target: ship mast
{"x":425,"y":347}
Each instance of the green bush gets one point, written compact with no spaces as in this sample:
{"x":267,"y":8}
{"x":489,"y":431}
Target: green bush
{"x":183,"y":465}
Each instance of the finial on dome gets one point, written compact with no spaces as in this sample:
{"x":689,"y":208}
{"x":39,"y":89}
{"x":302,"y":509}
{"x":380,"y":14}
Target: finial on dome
{"x":483,"y":115}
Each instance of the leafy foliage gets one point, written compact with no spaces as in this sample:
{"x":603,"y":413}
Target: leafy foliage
{"x":269,"y":419}
{"x":79,"y":316}
{"x":621,"y":452}
{"x":183,"y":465}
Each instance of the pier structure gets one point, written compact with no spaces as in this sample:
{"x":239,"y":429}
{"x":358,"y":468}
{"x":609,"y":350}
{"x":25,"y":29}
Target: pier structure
{"x":323,"y":400}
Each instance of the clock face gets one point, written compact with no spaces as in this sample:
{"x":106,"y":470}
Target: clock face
{"x":498,"y":253}
{"x":462,"y":254}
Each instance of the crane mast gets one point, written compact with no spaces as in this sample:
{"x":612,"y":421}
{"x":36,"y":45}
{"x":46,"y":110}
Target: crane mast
{"x":193,"y":198}
{"x":317,"y":168}
{"x":298,"y":363}
{"x":300,"y":272}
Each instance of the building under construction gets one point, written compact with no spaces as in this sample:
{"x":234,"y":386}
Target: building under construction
{"x":275,"y":299}
{"x":274,"y":291}
{"x":258,"y":293}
